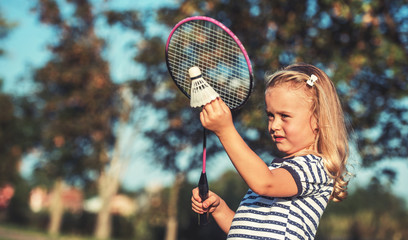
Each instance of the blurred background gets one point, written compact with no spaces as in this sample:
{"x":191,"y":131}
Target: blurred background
{"x":97,"y":142}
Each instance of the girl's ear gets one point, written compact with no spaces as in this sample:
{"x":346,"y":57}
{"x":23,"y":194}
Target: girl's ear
{"x":314,"y":125}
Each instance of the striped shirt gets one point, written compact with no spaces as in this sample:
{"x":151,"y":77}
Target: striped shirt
{"x":297,"y":217}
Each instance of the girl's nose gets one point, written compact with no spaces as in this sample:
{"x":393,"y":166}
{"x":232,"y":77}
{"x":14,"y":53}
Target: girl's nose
{"x":273,"y":126}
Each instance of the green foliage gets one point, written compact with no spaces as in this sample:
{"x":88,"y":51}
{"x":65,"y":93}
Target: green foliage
{"x":128,"y":19}
{"x":18,"y":211}
{"x":10,"y":152}
{"x":5,"y":28}
{"x":77,"y":95}
{"x":18,"y":133}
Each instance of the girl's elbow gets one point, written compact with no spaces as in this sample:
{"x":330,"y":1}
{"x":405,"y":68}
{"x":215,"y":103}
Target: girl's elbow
{"x":274,"y":191}
{"x":264,"y":190}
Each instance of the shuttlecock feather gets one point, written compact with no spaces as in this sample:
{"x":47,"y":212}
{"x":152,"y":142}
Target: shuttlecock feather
{"x":201,"y":92}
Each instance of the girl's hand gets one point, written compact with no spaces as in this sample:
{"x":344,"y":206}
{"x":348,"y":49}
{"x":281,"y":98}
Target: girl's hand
{"x":209,"y":205}
{"x":216,"y":116}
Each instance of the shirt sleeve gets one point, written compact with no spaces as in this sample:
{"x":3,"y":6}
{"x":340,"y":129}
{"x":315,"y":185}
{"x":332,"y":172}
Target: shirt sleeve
{"x":309,"y":174}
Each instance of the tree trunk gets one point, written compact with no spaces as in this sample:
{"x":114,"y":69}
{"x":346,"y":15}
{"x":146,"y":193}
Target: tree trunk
{"x":172,"y":223}
{"x":108,"y":182}
{"x":103,"y":221}
{"x":108,"y":185}
{"x":56,"y":209}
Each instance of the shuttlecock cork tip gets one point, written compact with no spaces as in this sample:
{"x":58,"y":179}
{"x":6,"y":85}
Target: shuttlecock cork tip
{"x":194,"y":72}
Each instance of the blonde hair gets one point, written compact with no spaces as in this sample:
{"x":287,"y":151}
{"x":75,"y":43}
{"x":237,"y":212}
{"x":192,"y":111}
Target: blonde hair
{"x":331,"y":142}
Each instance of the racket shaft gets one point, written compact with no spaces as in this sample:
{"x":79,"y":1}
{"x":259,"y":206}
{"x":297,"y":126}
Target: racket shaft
{"x":203,"y":192}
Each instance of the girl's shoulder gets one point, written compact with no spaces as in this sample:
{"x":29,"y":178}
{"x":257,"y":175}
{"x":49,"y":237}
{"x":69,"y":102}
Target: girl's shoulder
{"x":310,"y":158}
{"x":306,"y":168}
{"x":309,"y":162}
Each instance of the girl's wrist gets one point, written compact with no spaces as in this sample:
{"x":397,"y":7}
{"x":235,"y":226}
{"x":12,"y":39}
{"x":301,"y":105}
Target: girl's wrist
{"x":226,"y":133}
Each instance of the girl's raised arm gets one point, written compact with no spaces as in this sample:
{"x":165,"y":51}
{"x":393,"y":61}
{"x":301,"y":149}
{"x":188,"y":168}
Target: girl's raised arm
{"x":216,"y":116}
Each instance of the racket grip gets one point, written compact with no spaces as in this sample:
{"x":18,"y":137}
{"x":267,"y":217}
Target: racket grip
{"x":203,"y":219}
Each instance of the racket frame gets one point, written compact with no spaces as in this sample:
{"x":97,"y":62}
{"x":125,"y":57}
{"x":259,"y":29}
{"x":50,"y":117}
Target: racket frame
{"x":230,"y":33}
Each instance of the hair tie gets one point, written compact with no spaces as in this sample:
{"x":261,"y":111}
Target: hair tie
{"x":311,"y":80}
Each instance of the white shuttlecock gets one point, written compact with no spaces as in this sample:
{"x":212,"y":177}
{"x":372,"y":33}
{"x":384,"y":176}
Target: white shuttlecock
{"x":201,"y":92}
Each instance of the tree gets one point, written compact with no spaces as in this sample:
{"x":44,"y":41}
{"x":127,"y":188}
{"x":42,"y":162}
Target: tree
{"x":77,"y":96}
{"x":9,"y":158}
{"x":5,"y":27}
{"x":83,"y":127}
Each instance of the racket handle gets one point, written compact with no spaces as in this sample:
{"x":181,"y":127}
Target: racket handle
{"x":203,"y":219}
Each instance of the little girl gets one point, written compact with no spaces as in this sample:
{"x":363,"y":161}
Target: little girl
{"x":287,"y":198}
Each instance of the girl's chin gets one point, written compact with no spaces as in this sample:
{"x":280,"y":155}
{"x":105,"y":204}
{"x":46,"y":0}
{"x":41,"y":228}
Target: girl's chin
{"x":280,"y":153}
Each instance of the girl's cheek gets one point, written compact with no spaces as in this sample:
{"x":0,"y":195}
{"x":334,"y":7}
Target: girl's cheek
{"x":289,"y":128}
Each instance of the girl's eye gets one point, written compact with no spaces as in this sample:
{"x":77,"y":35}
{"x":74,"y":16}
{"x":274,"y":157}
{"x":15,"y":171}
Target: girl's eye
{"x":269,"y":115}
{"x":284,"y":116}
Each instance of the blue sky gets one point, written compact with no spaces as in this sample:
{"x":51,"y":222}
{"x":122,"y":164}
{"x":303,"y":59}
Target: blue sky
{"x":26,"y":48}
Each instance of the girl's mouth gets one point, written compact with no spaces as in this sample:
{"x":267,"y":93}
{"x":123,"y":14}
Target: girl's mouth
{"x":278,"y":138}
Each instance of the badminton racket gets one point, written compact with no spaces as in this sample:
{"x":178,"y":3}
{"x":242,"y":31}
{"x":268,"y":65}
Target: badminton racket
{"x":224,"y":63}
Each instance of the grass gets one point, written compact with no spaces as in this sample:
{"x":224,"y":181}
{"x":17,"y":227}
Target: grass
{"x":14,"y":232}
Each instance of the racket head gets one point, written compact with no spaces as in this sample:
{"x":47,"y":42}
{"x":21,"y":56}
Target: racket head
{"x":206,"y":43}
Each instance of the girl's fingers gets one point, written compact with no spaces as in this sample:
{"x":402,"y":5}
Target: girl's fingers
{"x":212,"y":111}
{"x":211,"y":202}
{"x":196,"y":199}
{"x":195,"y":202}
{"x":196,"y":195}
{"x":209,"y":205}
{"x":212,"y":107}
{"x":216,"y":103}
{"x":197,"y":206}
{"x":209,"y":107}
{"x":224,"y":106}
{"x":203,"y":117}
{"x":197,"y":209}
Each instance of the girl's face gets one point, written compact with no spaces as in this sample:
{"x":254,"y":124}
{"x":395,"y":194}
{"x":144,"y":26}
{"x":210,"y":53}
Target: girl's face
{"x":291,"y":125}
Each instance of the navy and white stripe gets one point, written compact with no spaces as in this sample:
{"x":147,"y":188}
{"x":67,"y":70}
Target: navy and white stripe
{"x":260,"y":217}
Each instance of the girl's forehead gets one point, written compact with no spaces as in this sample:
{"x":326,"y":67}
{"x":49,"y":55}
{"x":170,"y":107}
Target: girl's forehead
{"x":287,"y":90}
{"x":287,"y":96}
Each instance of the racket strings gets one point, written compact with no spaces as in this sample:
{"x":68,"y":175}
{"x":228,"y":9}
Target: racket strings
{"x":229,"y":51}
{"x":223,"y":65}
